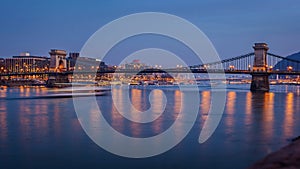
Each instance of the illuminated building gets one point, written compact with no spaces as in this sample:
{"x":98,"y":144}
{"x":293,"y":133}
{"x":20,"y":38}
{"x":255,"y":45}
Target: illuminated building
{"x":71,"y":60}
{"x":27,"y":63}
{"x":85,"y":63}
{"x":2,"y":65}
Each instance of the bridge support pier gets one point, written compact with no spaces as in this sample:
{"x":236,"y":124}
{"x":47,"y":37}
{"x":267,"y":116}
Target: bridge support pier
{"x":260,"y":77}
{"x":58,"y":80}
{"x":260,"y":82}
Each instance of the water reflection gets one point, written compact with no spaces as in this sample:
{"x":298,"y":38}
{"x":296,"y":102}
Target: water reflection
{"x":117,"y":121}
{"x":41,"y":117}
{"x":37,"y":117}
{"x":177,"y":103}
{"x":25,"y":119}
{"x":141,"y":100}
{"x":205,"y":104}
{"x":268,"y":115}
{"x":230,"y":111}
{"x":263,"y":115}
{"x":158,"y":106}
{"x":57,"y":117}
{"x":248,"y":109}
{"x":258,"y":122}
{"x":157,"y":101}
{"x":289,"y":115}
{"x":231,"y":99}
{"x":137,"y":105}
{"x":25,"y":91}
{"x":3,"y":122}
{"x":3,"y":92}
{"x":179,"y":100}
{"x":136,"y":100}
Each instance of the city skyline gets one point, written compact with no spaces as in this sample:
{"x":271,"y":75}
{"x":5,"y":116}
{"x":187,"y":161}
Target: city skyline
{"x":37,"y":26}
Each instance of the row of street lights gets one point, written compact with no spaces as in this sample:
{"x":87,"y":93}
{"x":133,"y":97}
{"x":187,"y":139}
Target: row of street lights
{"x":270,"y":68}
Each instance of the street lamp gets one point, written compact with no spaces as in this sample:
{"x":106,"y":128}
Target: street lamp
{"x":271,"y":68}
{"x":289,"y":68}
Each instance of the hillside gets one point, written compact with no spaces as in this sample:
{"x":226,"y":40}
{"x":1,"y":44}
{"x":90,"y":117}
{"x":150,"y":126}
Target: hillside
{"x":282,"y":65}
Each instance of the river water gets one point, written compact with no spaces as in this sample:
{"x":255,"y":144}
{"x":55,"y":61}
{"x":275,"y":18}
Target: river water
{"x":46,"y":134}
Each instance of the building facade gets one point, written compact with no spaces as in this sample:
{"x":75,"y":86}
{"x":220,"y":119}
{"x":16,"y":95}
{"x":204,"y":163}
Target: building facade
{"x":20,"y":64}
{"x":71,"y":61}
{"x":2,"y":65}
{"x":89,"y":64}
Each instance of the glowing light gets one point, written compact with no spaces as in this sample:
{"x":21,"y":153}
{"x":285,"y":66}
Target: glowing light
{"x":289,"y":68}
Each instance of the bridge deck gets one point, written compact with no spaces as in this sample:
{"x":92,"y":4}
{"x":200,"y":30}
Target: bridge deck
{"x":150,"y":71}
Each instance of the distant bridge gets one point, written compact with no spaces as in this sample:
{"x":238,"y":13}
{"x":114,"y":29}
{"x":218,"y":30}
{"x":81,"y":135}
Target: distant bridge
{"x":244,"y":64}
{"x":150,"y":71}
{"x":260,"y":64}
{"x":237,"y":65}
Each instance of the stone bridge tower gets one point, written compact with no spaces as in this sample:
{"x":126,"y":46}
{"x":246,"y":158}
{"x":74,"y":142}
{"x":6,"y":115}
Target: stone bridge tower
{"x":260,"y":76}
{"x":58,"y":62}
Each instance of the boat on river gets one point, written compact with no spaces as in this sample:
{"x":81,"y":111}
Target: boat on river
{"x":69,"y":92}
{"x":76,"y":92}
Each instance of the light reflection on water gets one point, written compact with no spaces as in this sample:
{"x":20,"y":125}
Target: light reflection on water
{"x":268,"y":115}
{"x":248,"y":109}
{"x":289,"y":114}
{"x":230,"y":109}
{"x":48,"y":131}
{"x":137,"y":104}
{"x":3,"y":122}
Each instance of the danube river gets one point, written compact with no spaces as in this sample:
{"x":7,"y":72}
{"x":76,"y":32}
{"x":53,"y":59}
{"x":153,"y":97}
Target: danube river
{"x":46,"y":134}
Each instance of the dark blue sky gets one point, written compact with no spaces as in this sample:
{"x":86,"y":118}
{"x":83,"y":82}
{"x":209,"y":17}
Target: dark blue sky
{"x":233,"y":26}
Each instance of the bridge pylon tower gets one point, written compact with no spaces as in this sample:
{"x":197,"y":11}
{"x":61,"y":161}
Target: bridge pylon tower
{"x":260,"y":76}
